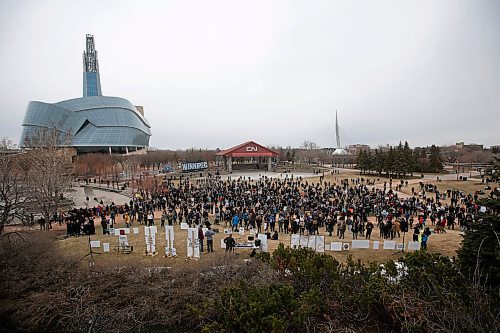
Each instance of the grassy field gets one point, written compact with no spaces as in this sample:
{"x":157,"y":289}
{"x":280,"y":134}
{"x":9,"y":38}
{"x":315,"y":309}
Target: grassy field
{"x":469,"y":186}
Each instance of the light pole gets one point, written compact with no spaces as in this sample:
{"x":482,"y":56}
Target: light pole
{"x":457,"y":162}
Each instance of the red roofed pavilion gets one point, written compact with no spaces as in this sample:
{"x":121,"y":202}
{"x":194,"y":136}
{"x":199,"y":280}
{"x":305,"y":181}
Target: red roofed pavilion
{"x":246,"y":155}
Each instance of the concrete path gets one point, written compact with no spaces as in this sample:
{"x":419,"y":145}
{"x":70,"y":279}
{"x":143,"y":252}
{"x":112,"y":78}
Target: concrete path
{"x":255,"y":175}
{"x":81,"y":193}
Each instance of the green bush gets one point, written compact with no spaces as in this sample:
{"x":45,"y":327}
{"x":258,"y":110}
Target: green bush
{"x":272,"y":308}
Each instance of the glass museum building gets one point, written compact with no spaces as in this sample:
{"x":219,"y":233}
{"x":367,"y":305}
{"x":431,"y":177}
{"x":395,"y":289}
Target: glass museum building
{"x":96,"y":123}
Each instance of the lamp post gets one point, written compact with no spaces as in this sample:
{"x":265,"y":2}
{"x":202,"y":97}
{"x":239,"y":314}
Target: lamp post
{"x":457,"y":162}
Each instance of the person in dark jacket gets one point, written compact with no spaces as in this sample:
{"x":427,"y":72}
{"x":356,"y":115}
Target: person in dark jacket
{"x":230,"y":243}
{"x":369,"y":228}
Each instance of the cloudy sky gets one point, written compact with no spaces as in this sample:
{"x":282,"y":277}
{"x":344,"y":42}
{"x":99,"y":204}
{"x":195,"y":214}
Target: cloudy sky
{"x":217,"y":73}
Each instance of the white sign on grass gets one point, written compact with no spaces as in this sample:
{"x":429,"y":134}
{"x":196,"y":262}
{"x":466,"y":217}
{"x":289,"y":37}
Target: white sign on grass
{"x":376,"y":245}
{"x":169,"y":236}
{"x":336,"y":246}
{"x":263,"y":242}
{"x":193,"y":247}
{"x":389,"y":245}
{"x":320,"y":244}
{"x":413,"y":246}
{"x":150,"y":238}
{"x":360,"y":244}
{"x":184,"y":226}
{"x":123,"y":240}
{"x":105,"y":246}
{"x":311,"y":242}
{"x":95,"y":244}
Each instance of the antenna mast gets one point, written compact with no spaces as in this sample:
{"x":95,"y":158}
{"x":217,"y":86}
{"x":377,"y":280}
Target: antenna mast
{"x":337,"y":133}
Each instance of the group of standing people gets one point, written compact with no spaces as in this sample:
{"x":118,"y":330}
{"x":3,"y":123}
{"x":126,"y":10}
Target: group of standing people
{"x":347,"y":208}
{"x":350,"y":207}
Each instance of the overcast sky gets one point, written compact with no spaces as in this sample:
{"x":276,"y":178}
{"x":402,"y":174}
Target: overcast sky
{"x":217,"y":73}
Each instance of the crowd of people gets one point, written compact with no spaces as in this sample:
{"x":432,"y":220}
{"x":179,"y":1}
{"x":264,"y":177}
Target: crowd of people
{"x":282,"y":206}
{"x":297,"y":206}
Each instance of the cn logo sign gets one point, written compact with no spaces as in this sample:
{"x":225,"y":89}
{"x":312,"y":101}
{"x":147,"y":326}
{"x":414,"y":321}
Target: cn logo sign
{"x":251,"y":148}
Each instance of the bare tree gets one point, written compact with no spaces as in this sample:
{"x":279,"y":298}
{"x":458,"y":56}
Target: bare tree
{"x":48,"y":170}
{"x":7,"y":144}
{"x":309,"y":145}
{"x":13,"y":193}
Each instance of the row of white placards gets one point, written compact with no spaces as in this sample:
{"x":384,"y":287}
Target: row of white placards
{"x":184,"y":226}
{"x":317,"y":243}
{"x":387,"y":245}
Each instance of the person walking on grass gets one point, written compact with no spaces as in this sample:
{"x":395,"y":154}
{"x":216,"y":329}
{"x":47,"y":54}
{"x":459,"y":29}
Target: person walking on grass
{"x":209,"y":235}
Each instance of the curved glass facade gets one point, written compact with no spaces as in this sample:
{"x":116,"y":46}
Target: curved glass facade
{"x":95,"y":122}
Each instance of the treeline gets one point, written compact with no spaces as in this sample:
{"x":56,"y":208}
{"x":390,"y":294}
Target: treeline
{"x":400,"y":160}
{"x":109,"y":166}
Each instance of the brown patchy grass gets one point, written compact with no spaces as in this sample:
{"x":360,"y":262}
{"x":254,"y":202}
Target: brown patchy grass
{"x":469,"y":186}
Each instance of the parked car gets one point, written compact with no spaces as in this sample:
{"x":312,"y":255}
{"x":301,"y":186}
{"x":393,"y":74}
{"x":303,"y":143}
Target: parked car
{"x":167,"y":169}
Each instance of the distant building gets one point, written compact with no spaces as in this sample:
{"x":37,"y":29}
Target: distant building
{"x":470,"y":146}
{"x":246,"y":155}
{"x":385,"y":148}
{"x":474,"y":147}
{"x":97,"y":123}
{"x":356,"y":148}
{"x":495,"y":148}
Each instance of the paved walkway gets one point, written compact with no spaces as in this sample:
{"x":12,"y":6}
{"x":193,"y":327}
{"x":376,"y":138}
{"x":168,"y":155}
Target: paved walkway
{"x":81,"y":193}
{"x":255,"y":175}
